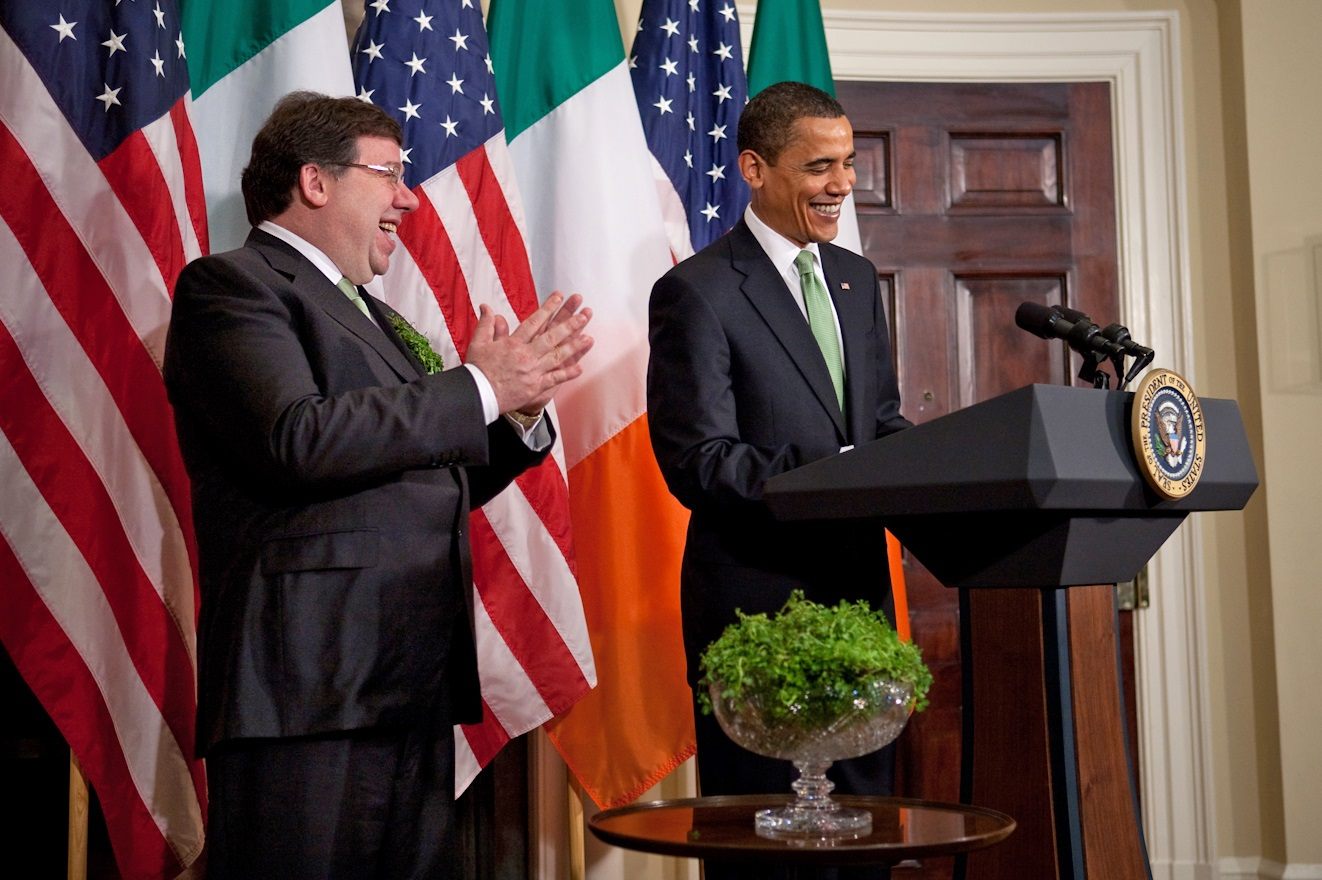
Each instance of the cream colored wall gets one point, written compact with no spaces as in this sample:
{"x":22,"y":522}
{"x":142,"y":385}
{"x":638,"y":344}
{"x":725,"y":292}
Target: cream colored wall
{"x":1283,"y":73}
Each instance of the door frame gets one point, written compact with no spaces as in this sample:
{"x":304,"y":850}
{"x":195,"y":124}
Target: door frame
{"x":1139,"y":55}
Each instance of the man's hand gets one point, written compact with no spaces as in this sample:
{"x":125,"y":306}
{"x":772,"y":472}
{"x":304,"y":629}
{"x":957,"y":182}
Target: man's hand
{"x":527,"y":366}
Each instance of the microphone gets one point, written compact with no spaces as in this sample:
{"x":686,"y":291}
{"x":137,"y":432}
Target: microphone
{"x":1051,"y":322}
{"x":1117,"y":334}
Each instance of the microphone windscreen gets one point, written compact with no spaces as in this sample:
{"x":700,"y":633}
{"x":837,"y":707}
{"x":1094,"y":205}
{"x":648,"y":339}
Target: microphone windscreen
{"x":1036,"y":318}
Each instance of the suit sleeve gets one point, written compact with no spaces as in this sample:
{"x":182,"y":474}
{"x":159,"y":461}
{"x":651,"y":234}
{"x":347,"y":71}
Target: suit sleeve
{"x":246,"y":371}
{"x":691,"y":407}
{"x":888,"y":418}
{"x":509,"y":457}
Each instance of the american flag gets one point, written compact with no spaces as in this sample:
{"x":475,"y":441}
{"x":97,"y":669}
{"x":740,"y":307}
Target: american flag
{"x":427,"y":64}
{"x":688,"y":79}
{"x":101,"y":206}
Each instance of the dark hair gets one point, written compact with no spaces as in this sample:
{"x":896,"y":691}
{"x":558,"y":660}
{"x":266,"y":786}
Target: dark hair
{"x":306,"y":127}
{"x":768,"y":119}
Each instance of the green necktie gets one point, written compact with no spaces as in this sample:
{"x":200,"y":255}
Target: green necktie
{"x":821,"y":322}
{"x":351,"y":291}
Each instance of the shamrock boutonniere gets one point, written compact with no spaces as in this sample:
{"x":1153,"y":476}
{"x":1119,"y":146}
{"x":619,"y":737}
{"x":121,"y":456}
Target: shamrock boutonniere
{"x":418,"y":344}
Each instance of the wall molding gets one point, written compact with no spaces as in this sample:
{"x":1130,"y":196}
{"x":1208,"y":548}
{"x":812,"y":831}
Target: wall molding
{"x":1266,"y":869}
{"x":1138,"y":54}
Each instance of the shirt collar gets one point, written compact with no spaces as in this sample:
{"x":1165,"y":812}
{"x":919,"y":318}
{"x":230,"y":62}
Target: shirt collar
{"x":780,"y":249}
{"x":314,"y":254}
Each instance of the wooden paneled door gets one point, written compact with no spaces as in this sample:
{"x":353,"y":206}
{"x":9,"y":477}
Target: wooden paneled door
{"x":972,"y":199}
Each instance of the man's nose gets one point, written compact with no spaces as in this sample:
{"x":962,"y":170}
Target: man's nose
{"x":842,"y":181}
{"x":405,"y":200}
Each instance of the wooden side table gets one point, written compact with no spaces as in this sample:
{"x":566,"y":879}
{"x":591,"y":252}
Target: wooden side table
{"x":722,"y":828}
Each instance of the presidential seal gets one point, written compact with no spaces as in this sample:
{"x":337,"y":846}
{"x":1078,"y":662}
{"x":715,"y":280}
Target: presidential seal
{"x":1168,"y":435}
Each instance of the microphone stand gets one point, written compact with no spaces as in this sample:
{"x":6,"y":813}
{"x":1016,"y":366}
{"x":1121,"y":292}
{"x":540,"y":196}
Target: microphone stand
{"x":1091,"y":370}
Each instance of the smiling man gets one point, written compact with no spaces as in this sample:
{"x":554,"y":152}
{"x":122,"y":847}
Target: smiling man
{"x":332,"y":475}
{"x":770,"y":350}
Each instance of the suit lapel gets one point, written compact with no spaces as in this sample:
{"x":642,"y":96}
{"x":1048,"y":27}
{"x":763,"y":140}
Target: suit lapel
{"x":766,"y":291}
{"x":854,"y":309}
{"x":311,"y":283}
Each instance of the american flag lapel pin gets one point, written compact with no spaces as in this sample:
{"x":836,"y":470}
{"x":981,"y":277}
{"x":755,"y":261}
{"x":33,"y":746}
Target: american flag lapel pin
{"x":844,"y":285}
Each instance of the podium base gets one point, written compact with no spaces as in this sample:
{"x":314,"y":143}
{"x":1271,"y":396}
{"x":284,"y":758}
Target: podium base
{"x":1042,"y":684}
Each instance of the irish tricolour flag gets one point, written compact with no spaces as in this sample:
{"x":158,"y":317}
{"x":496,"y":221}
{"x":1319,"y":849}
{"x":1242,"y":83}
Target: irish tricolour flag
{"x":594,"y":227}
{"x":243,"y":55}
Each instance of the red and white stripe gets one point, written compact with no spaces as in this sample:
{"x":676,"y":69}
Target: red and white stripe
{"x":463,"y":247}
{"x":97,"y":557}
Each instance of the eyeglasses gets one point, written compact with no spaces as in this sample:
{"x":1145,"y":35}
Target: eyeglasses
{"x":392,"y":172}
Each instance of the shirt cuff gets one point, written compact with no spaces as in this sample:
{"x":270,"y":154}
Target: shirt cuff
{"x":490,"y":409}
{"x":537,"y":436}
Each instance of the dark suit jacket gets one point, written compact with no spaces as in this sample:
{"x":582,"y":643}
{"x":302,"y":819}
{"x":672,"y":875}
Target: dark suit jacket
{"x":331,"y":485}
{"x":737,"y":392}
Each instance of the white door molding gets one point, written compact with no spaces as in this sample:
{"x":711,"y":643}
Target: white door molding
{"x":1138,"y":54}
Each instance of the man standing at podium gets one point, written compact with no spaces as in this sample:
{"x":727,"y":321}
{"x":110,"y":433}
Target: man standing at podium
{"x":770,"y":350}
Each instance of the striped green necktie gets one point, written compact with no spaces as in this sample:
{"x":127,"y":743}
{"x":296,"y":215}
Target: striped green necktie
{"x":821,"y":322}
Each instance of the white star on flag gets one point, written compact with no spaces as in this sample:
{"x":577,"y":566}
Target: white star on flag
{"x":109,"y":96}
{"x":65,"y":29}
{"x":115,"y":43}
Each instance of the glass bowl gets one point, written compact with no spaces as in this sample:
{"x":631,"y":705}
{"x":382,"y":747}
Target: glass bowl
{"x":812,"y":739}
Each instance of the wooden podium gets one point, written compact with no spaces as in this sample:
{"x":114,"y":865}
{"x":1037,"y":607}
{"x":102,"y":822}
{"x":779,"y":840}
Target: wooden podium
{"x":1034,"y":489}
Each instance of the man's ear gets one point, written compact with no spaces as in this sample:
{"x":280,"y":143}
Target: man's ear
{"x":752,"y":167}
{"x":312,"y":185}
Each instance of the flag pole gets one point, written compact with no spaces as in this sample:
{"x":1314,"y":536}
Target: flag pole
{"x":578,"y":865}
{"x":78,"y":806}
